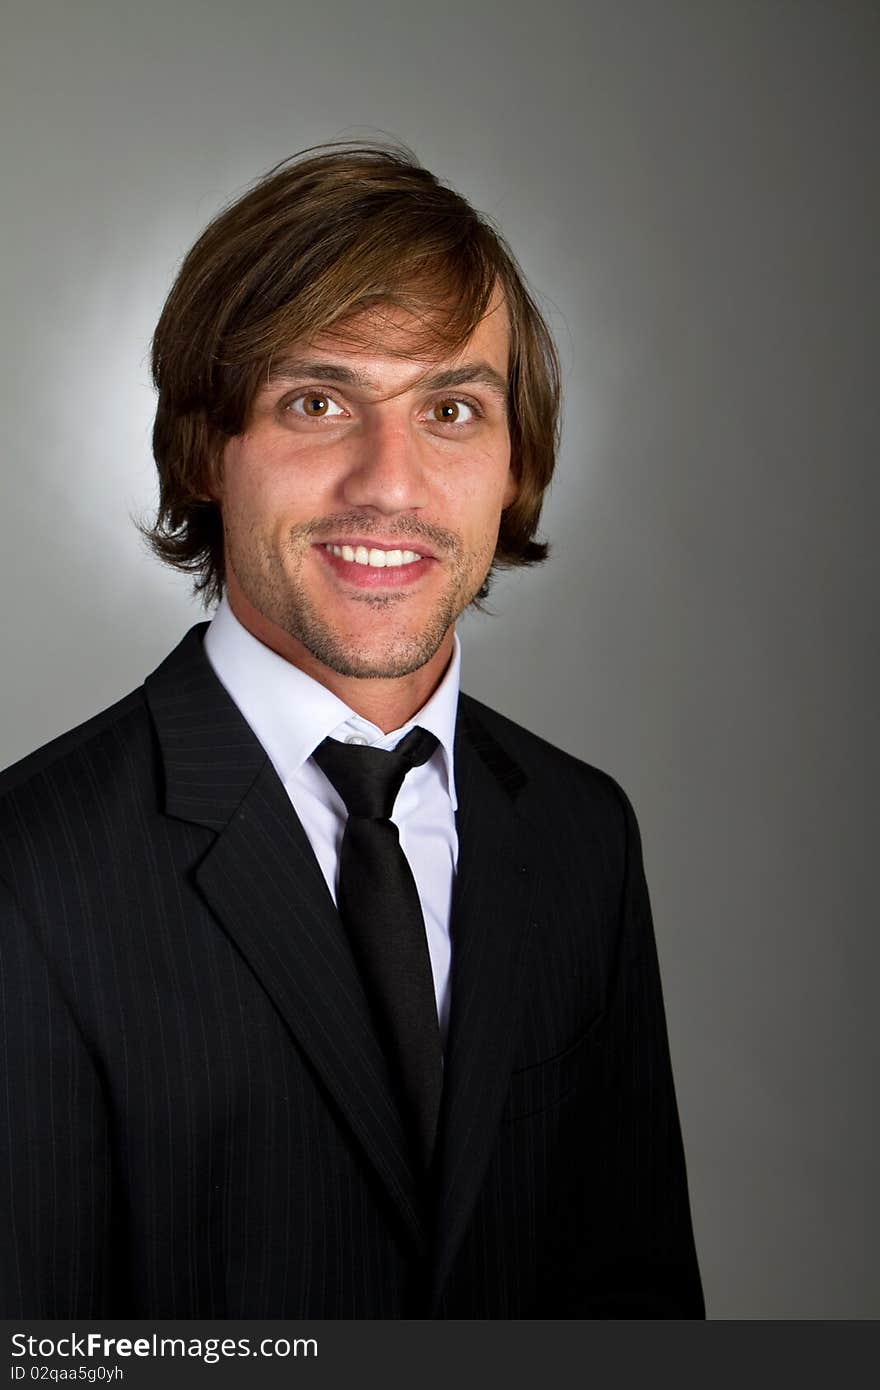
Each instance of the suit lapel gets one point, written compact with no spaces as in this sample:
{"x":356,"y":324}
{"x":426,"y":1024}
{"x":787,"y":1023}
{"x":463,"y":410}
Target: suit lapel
{"x":264,"y":885}
{"x":491,"y":916}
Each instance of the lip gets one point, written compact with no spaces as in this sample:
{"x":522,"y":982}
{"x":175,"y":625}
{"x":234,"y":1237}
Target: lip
{"x":368,"y":577}
{"x":376,"y":543}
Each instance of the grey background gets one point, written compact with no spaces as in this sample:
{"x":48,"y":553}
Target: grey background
{"x":691,"y":187}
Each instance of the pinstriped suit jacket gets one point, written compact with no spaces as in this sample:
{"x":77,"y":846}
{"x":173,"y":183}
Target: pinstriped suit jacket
{"x":196,"y":1119}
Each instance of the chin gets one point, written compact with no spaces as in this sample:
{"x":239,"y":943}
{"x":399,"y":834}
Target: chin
{"x":384,"y":663}
{"x":366,"y":655}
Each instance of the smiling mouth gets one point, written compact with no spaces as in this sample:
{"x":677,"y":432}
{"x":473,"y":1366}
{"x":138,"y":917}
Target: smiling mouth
{"x":376,"y":568}
{"x":374,"y":556}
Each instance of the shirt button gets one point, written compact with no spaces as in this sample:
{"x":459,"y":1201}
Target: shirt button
{"x":357,"y":739}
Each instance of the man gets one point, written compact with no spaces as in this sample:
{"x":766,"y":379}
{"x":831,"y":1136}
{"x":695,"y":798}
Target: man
{"x":327,"y":991}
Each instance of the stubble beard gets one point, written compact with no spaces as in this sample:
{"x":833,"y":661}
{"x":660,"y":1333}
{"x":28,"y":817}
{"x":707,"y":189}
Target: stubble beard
{"x":279,"y":593}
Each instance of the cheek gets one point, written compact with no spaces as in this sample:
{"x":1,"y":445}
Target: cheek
{"x":488,"y":489}
{"x":262,"y":486}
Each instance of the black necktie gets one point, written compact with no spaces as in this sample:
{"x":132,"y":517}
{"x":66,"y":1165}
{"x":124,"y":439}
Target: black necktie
{"x":379,"y":905}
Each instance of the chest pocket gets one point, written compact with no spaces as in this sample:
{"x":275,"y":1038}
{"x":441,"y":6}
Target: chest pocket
{"x":545,"y":1084}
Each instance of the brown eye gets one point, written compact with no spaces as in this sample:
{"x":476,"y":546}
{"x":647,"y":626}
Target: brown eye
{"x":314,"y":405}
{"x":449,"y":411}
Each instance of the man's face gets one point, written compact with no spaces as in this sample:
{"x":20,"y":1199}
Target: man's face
{"x":349,"y":467}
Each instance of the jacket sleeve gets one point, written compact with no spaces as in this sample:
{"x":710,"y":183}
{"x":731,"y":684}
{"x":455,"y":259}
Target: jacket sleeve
{"x":55,"y":1168}
{"x":630,"y":1252}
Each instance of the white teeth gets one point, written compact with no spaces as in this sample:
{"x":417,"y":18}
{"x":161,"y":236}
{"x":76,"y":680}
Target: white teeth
{"x":379,"y":559}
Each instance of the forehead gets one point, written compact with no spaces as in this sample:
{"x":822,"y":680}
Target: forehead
{"x":394,"y":342}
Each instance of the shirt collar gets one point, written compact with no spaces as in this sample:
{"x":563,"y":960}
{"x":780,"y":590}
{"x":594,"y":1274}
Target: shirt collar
{"x":291,"y":713}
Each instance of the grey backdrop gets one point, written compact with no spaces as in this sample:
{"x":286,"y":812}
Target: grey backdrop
{"x":691,"y":187}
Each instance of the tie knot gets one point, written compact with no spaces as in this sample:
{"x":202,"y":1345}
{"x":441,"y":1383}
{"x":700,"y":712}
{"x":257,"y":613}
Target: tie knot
{"x":369,"y":779}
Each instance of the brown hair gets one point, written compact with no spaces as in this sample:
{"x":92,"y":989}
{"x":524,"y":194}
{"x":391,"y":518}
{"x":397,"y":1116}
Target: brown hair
{"x":322,"y":236}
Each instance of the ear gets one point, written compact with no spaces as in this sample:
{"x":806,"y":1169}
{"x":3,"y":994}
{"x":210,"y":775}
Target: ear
{"x":213,"y":480}
{"x":511,"y":490}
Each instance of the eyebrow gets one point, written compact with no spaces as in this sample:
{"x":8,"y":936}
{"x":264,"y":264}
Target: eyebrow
{"x":470,"y":373}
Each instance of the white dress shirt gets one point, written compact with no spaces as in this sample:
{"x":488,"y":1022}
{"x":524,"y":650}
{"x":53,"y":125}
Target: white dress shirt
{"x":291,"y":713}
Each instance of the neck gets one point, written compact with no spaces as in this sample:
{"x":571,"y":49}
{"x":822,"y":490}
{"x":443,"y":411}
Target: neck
{"x":386,"y":702}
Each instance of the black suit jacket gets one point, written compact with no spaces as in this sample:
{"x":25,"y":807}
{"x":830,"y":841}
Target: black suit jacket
{"x":196,"y":1119}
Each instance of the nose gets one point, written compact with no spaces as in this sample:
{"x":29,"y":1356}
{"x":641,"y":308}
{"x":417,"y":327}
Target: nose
{"x":384,"y":469}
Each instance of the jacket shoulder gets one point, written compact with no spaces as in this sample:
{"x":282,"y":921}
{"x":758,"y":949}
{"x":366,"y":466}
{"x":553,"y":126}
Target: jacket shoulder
{"x":120,"y":732}
{"x":552,"y":775}
{"x":87,"y":787}
{"x":77,"y":743}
